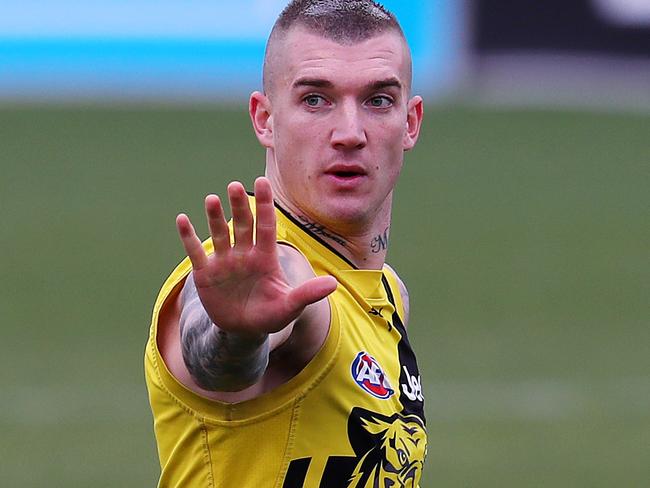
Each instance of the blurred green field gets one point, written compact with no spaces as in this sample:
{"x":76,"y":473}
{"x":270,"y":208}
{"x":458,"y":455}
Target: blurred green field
{"x":523,"y":236}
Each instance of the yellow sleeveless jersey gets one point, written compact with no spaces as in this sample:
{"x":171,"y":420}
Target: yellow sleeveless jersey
{"x":352,"y":418}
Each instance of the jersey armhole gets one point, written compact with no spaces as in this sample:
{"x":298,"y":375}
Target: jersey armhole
{"x":246,"y":411}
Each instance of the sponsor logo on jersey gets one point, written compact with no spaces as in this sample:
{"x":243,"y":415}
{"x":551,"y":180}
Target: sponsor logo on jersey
{"x":413,"y":390}
{"x":375,"y":311}
{"x":367,"y":373}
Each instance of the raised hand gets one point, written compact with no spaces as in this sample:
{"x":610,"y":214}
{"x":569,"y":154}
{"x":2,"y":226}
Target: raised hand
{"x":242,"y":287}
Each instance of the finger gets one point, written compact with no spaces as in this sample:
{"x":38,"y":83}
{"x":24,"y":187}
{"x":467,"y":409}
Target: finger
{"x":242,"y":218}
{"x":265,"y":231}
{"x":219,"y":230}
{"x":191,"y":242}
{"x":311,"y":291}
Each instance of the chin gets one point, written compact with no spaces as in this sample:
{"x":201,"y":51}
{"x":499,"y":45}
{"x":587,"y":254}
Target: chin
{"x":344,"y":211}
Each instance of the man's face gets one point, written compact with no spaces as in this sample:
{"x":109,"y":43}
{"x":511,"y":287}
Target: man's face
{"x":339,"y":121}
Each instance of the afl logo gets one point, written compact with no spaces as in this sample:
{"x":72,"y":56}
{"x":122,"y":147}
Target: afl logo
{"x":368,"y":375}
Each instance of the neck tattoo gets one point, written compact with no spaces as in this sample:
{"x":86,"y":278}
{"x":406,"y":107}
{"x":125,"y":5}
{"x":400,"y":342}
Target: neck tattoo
{"x":379,"y":242}
{"x":320,"y":230}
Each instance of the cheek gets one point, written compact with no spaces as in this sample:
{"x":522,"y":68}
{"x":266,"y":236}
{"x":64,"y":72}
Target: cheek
{"x":390,"y":138}
{"x":391,"y":132}
{"x":297,"y":133}
{"x":389,"y":154}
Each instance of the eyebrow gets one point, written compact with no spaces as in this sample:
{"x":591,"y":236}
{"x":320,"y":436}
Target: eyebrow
{"x":323,"y":83}
{"x":315,"y":82}
{"x":387,"y":83}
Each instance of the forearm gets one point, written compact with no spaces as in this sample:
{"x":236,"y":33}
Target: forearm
{"x":216,"y":359}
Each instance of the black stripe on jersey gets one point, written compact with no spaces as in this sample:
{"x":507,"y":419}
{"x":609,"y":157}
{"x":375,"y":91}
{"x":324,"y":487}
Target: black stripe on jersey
{"x":389,"y":292}
{"x":296,"y":473}
{"x":338,"y":471}
{"x":407,"y":362}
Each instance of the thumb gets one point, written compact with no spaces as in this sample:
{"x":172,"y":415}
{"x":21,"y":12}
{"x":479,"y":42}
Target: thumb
{"x":311,"y":291}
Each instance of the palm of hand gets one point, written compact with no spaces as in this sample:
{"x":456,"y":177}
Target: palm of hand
{"x":242,"y":287}
{"x":253,"y":289}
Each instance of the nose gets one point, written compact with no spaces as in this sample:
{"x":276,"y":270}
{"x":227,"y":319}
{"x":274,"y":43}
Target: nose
{"x":349,"y":131}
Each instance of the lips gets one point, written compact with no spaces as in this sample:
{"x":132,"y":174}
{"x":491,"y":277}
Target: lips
{"x":345,"y":171}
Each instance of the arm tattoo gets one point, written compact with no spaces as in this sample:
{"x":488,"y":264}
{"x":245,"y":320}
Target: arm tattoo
{"x":320,"y":230}
{"x":218,"y":360}
{"x":379,"y":242}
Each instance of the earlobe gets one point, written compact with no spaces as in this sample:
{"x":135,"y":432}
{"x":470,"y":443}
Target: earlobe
{"x":259,"y":109}
{"x":413,"y":122}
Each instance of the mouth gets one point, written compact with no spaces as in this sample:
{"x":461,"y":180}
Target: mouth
{"x":346,"y":172}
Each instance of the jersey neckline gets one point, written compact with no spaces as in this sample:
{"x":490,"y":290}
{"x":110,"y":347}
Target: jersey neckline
{"x":311,"y":234}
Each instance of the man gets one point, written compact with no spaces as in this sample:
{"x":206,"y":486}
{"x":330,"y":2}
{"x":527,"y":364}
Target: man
{"x":278,"y":354}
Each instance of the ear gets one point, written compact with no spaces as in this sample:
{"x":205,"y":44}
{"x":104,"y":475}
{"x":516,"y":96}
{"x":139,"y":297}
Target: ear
{"x":415,"y":112}
{"x":259,"y":109}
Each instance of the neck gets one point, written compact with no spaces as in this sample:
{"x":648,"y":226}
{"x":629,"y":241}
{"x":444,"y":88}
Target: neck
{"x":364,"y":245}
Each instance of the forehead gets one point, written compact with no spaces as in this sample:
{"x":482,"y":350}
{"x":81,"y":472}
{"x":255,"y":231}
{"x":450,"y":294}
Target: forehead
{"x":302,"y":54}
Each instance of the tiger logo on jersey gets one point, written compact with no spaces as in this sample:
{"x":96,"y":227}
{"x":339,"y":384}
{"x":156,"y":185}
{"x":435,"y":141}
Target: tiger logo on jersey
{"x":367,"y":373}
{"x":396,"y":450}
{"x":389,"y":452}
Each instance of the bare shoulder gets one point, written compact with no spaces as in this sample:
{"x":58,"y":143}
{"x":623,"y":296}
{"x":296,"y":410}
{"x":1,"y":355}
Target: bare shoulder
{"x":295,"y":266}
{"x":300,"y":342}
{"x":297,"y":270}
{"x":404,"y":292}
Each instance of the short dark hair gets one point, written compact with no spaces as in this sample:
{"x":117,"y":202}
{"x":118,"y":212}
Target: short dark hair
{"x":343,"y":21}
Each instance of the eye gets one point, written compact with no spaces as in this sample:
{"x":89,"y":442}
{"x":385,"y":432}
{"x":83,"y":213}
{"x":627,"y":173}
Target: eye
{"x":380,"y":101}
{"x":314,"y":101}
{"x":403,"y":458}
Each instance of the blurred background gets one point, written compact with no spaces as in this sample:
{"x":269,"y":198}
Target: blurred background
{"x":520,"y":225}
